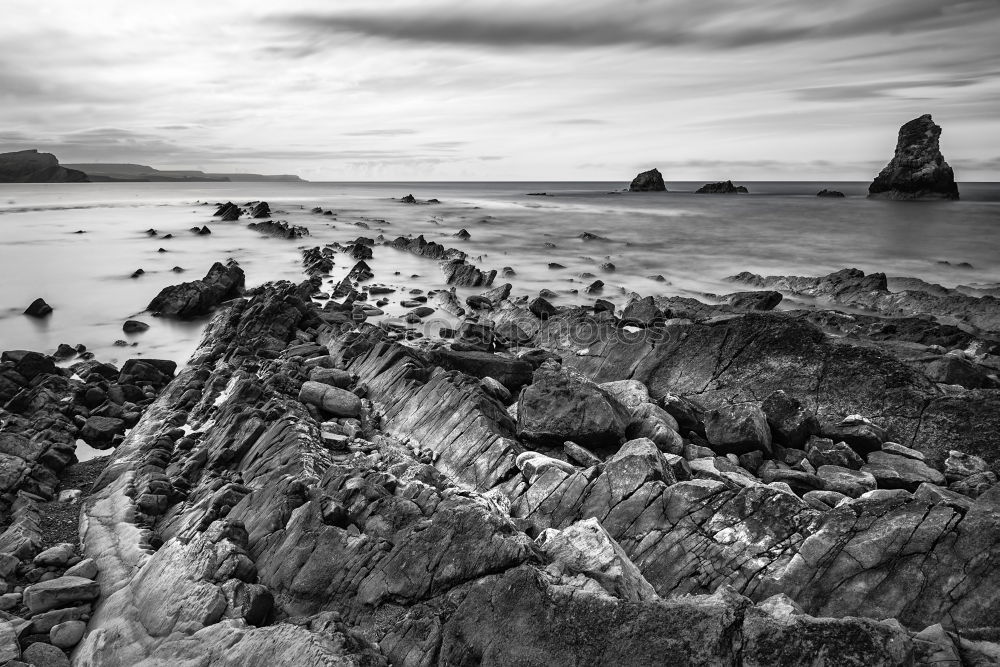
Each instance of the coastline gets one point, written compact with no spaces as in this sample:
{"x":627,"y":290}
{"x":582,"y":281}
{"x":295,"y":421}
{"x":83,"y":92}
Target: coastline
{"x":306,"y":414}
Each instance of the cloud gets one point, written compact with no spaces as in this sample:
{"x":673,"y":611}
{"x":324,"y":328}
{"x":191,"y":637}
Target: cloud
{"x":864,"y":91}
{"x":380,"y":133}
{"x":709,"y":23}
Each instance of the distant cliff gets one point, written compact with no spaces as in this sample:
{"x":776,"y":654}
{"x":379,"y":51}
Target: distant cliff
{"x":139,"y":172}
{"x":33,"y":167}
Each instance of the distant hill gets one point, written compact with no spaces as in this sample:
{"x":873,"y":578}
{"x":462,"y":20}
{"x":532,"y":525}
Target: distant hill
{"x":33,"y":167}
{"x":98,"y":171}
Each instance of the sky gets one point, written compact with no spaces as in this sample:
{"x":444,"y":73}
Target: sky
{"x":507,"y":90}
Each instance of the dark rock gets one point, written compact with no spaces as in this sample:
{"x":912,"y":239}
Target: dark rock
{"x":722,"y":188}
{"x":738,"y":429}
{"x":951,"y":369}
{"x":559,"y":406}
{"x":200,"y":297}
{"x":408,"y":199}
{"x":261,"y":210}
{"x":642,"y":313}
{"x":917,"y":170}
{"x":541,"y":308}
{"x":38,"y":308}
{"x":463,"y":234}
{"x":134,"y":326}
{"x":98,"y":432}
{"x":790,"y":421}
{"x":30,"y":166}
{"x":829,"y":193}
{"x":279,"y":229}
{"x":762,"y":300}
{"x":511,"y":373}
{"x":823,"y":452}
{"x":594,"y":287}
{"x":361,"y":272}
{"x":461,"y":273}
{"x":648,"y":181}
{"x":892,"y":471}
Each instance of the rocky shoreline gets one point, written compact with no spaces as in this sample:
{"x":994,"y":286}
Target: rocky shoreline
{"x":673,"y":481}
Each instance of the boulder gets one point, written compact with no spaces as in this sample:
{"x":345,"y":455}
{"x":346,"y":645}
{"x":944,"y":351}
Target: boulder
{"x":756,"y":300}
{"x":648,"y":181}
{"x":68,"y":634}
{"x":722,"y":188}
{"x":825,"y":452}
{"x":335,"y":377}
{"x":41,"y":654}
{"x":738,"y":429}
{"x":852,"y":483}
{"x":57,"y":555}
{"x":532,"y":464}
{"x":99,"y":431}
{"x":63,"y":591}
{"x":830,"y":193}
{"x":510,"y":372}
{"x":952,"y":369}
{"x":581,"y":455}
{"x":790,"y":421}
{"x":38,"y":308}
{"x":86,"y":568}
{"x":917,"y":170}
{"x":134,"y":326}
{"x":960,"y":465}
{"x":559,"y":406}
{"x":541,"y":308}
{"x":200,"y":297}
{"x":586,"y":548}
{"x":333,"y":400}
{"x":642,"y":313}
{"x":893,"y":471}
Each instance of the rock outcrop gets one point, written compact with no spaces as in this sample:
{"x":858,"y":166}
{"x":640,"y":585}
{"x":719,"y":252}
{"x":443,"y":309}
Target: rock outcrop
{"x":30,"y":166}
{"x":200,"y":297}
{"x":917,"y":169}
{"x":648,"y":181}
{"x":722,"y":188}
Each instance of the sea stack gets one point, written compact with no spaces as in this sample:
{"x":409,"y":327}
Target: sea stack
{"x":917,"y":170}
{"x":648,"y":181}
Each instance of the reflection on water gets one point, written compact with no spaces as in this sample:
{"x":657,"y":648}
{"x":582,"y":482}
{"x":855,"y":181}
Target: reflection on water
{"x":693,"y":241}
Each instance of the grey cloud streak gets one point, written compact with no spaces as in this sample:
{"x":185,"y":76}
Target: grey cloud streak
{"x":636,"y":23}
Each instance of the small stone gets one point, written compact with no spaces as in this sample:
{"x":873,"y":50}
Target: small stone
{"x":67,"y":635}
{"x":86,"y":568}
{"x":41,"y":654}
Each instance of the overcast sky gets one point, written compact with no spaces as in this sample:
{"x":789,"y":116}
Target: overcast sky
{"x":506,"y":90}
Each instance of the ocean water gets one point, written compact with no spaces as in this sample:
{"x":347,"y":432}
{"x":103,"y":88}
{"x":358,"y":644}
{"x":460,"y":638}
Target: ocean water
{"x":694,"y":241}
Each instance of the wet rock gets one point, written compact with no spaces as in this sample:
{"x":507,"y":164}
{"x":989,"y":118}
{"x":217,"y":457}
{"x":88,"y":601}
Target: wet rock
{"x":280,"y":229}
{"x":134,"y":326}
{"x":648,"y":181}
{"x":642,"y":313}
{"x":857,"y":431}
{"x":892,"y":471}
{"x":333,"y":400}
{"x":541,"y":308}
{"x":737,"y":429}
{"x":830,"y":193}
{"x":60,"y":592}
{"x":511,"y":373}
{"x":38,"y":308}
{"x":951,"y":369}
{"x":586,"y":548}
{"x":99,"y":432}
{"x":200,"y":297}
{"x":823,"y":452}
{"x":722,"y":188}
{"x":260,"y":210}
{"x":558,"y":406}
{"x":960,"y":465}
{"x":581,"y":455}
{"x":852,"y":483}
{"x":461,"y":273}
{"x":790,"y":421}
{"x":758,"y":300}
{"x":917,"y":169}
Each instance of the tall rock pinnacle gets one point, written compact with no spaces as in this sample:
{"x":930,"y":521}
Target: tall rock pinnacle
{"x":917,"y":170}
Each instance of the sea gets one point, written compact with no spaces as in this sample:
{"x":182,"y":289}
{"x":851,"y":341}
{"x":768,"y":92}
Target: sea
{"x":693,"y":241}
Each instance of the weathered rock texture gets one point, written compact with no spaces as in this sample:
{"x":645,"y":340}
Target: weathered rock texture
{"x":917,"y":169}
{"x":200,"y":297}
